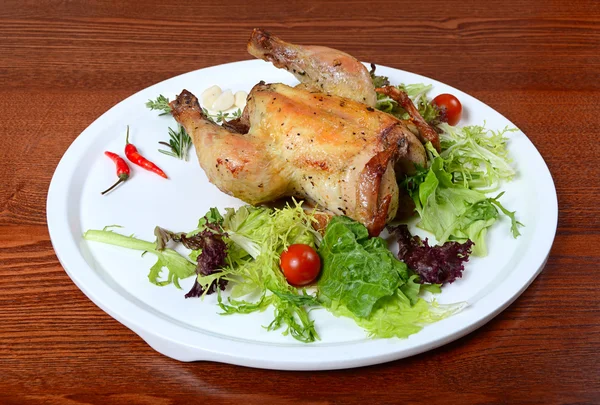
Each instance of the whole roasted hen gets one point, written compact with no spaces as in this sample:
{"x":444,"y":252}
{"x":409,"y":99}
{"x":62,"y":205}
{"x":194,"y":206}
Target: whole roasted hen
{"x":321,"y":146}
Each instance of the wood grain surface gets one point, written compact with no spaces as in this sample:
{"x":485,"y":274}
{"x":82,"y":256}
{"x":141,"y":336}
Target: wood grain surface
{"x":64,"y":63}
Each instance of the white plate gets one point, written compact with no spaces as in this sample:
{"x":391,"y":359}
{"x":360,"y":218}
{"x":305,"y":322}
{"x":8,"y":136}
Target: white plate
{"x":115,"y":279}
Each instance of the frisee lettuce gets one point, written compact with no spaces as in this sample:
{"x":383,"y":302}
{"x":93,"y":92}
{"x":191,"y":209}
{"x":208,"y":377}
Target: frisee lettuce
{"x":258,"y":236}
{"x":255,"y":237}
{"x":476,"y":156}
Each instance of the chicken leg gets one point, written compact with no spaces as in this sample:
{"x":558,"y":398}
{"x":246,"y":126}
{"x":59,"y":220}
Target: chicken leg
{"x":318,"y":68}
{"x":234,"y":162}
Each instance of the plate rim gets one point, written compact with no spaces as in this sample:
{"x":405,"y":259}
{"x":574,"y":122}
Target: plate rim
{"x":307,"y":357}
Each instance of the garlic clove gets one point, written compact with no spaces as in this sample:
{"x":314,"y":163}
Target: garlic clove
{"x":240,"y":99}
{"x":210,"y":95}
{"x":224,"y":101}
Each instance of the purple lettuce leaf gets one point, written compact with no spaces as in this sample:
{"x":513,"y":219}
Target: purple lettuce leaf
{"x":433,"y":264}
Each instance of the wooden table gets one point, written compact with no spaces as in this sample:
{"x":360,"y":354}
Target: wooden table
{"x":62,"y":64}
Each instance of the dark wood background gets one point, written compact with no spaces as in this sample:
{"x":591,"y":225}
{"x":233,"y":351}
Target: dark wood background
{"x":63,"y":63}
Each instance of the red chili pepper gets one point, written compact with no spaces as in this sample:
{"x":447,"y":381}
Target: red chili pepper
{"x":122,"y":170}
{"x":134,"y":156}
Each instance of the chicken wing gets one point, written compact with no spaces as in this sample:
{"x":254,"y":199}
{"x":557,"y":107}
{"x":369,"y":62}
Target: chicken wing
{"x":334,"y":152}
{"x":425,"y":131}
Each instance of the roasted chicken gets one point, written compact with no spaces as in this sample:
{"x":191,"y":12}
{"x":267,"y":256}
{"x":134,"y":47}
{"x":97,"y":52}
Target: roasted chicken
{"x":328,"y":147}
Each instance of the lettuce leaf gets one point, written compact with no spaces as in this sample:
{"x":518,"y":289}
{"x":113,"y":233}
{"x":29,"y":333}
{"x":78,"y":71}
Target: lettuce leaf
{"x":178,"y":266}
{"x":434,"y":264}
{"x":349,"y":258}
{"x":396,"y":316}
{"x":450,"y":195}
{"x":378,"y":81}
{"x":452,"y":211}
{"x":417,"y":93}
{"x":362,"y":280}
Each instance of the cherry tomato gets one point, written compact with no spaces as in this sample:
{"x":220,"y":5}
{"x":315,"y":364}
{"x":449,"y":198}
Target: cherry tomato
{"x":450,"y":106}
{"x":300,"y":264}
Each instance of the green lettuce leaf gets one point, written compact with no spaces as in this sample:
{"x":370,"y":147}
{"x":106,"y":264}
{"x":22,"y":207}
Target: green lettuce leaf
{"x":476,"y":156}
{"x":378,"y":81}
{"x":349,"y":258}
{"x":418,"y":94}
{"x":362,"y":280}
{"x":411,"y":289}
{"x":396,"y":316}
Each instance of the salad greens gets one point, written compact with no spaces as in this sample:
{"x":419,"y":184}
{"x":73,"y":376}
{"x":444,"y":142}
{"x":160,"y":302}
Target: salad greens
{"x":361,"y":279}
{"x":241,"y":248}
{"x":418,"y":94}
{"x":450,"y":194}
{"x":451,"y":210}
{"x":476,"y":156}
{"x":434,"y":264}
{"x":395,"y":316}
{"x":258,"y":236}
{"x":357,"y":270}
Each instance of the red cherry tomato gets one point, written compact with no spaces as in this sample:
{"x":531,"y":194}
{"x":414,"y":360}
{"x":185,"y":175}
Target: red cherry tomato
{"x":300,"y":264}
{"x":450,"y":106}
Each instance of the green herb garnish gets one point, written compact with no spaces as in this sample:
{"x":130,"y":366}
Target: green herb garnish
{"x":161,"y":104}
{"x":179,"y":143}
{"x":221,"y":116}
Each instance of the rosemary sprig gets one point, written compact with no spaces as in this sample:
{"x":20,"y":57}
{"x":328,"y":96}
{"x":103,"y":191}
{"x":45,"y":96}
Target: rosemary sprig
{"x":161,"y":103}
{"x":179,"y":143}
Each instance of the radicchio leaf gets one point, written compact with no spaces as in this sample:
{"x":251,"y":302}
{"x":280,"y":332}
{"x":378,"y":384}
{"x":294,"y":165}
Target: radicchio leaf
{"x":209,"y":241}
{"x":212,"y":258}
{"x":433,"y":264}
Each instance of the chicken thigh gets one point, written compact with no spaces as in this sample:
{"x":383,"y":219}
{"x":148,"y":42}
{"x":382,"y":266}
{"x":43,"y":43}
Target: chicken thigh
{"x":332,"y":151}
